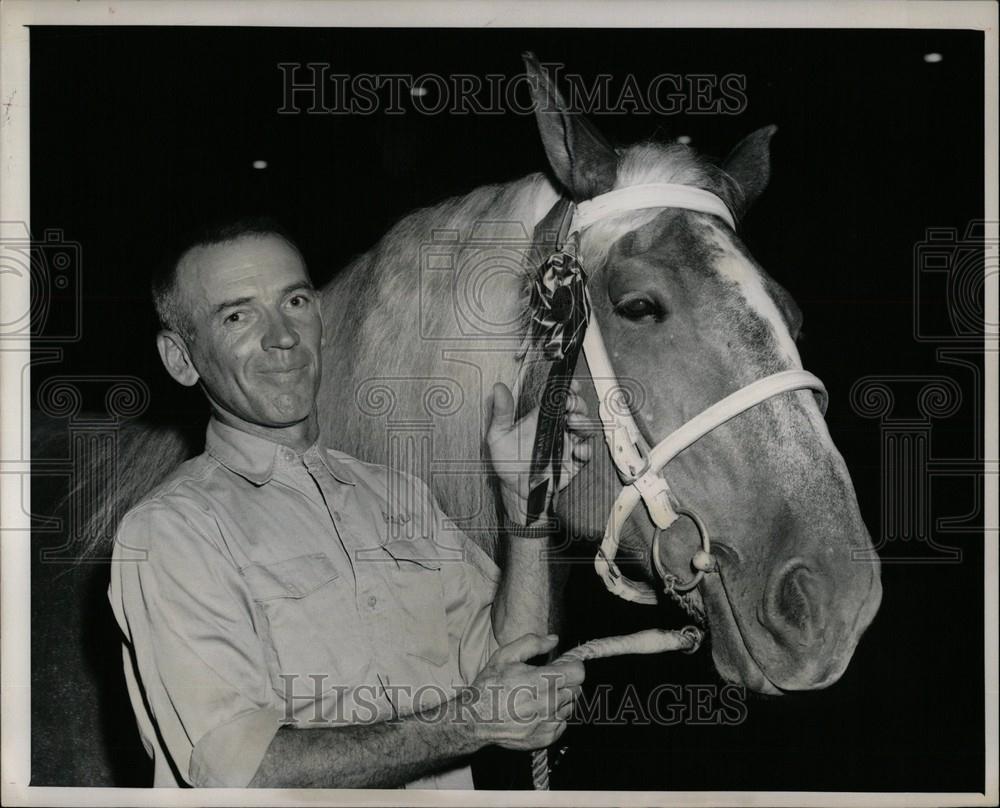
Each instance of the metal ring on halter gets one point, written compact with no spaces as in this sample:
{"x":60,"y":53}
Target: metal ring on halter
{"x":703,"y":561}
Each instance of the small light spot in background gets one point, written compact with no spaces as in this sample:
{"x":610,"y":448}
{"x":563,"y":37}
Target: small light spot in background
{"x":417,"y":91}
{"x":260,"y":165}
{"x":933,"y":58}
{"x":684,"y":140}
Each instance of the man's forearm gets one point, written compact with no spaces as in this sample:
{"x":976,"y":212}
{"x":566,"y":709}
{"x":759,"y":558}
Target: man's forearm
{"x":387,"y":754}
{"x":522,"y":602}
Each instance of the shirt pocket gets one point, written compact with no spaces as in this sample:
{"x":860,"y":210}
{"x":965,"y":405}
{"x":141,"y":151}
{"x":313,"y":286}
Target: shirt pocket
{"x":415,"y":583}
{"x":310,"y":624}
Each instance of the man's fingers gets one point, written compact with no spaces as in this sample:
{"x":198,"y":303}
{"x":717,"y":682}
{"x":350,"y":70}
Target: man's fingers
{"x":575,"y":403}
{"x":502,"y":416}
{"x":576,"y":453}
{"x":565,"y":711}
{"x":579,"y":450}
{"x":572,"y":672}
{"x":558,"y":728}
{"x":567,"y":695}
{"x":582,"y":426}
{"x":526,"y":647}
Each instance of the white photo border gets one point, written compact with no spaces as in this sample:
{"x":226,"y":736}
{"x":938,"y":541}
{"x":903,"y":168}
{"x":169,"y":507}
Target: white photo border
{"x":17,"y":15}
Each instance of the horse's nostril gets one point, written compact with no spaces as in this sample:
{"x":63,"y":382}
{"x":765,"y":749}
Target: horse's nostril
{"x":794,"y":598}
{"x":795,"y":607}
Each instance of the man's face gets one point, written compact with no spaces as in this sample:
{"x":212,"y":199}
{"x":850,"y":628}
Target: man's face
{"x":256,"y":328}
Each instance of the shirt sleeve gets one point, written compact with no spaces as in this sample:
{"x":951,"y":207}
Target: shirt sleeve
{"x":188,"y":618}
{"x":470,"y":579}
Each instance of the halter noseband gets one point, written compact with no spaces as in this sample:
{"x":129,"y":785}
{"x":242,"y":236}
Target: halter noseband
{"x":639,"y":465}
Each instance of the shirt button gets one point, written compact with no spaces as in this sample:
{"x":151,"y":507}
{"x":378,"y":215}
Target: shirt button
{"x":288,"y":454}
{"x":372,"y":600}
{"x":336,"y":514}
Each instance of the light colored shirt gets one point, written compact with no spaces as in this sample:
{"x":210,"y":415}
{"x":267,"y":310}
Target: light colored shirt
{"x":258,"y":588}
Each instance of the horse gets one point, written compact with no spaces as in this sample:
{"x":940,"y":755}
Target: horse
{"x":419,"y":328}
{"x":685,"y":311}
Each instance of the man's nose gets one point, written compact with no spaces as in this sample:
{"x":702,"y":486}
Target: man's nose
{"x":280,"y":333}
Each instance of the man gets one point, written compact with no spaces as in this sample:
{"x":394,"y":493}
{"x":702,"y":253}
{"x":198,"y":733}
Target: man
{"x":274,"y":635}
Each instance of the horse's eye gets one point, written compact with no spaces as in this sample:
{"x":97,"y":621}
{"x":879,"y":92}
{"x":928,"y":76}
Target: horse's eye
{"x":640,"y":308}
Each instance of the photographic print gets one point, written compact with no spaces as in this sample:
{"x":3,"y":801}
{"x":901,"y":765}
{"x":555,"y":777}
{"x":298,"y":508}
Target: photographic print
{"x":562,"y":404}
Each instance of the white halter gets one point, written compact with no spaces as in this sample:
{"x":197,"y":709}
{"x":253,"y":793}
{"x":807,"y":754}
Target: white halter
{"x":638,"y":465}
{"x":652,"y":195}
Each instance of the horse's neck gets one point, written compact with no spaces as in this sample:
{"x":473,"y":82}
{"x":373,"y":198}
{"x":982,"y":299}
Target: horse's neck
{"x":407,"y":370}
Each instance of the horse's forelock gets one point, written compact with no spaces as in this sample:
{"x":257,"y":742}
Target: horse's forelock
{"x":672,"y":162}
{"x":651,"y":162}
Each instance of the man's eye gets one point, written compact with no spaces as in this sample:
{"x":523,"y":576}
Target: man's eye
{"x":235,"y":317}
{"x":640,"y":308}
{"x":298,"y":301}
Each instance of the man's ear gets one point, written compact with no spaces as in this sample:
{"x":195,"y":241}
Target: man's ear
{"x":176,"y":357}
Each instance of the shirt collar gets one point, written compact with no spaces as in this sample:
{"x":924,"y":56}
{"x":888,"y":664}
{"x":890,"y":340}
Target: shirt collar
{"x":253,"y":457}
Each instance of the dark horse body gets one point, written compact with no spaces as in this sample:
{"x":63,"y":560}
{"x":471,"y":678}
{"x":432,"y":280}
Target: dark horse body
{"x":418,"y":330}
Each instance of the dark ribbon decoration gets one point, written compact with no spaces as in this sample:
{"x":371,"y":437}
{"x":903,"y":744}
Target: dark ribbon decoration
{"x":560,"y":310}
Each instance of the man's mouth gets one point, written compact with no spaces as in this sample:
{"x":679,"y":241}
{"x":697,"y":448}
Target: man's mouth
{"x":283,"y":373}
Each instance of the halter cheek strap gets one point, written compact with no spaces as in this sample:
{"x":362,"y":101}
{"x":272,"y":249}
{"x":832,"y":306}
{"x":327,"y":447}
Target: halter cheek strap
{"x":652,"y":488}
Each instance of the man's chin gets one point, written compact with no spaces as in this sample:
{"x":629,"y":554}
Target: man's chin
{"x":288,"y":410}
{"x":269,"y":416}
{"x":286,"y":404}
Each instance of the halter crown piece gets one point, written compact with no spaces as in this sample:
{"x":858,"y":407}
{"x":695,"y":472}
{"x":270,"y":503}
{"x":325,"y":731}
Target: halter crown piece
{"x":651,"y":195}
{"x":563,"y":323}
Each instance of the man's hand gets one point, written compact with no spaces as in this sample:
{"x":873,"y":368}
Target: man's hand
{"x":519,"y":706}
{"x":510,"y":446}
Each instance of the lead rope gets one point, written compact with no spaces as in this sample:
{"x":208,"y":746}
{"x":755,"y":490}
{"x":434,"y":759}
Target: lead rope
{"x":650,"y":641}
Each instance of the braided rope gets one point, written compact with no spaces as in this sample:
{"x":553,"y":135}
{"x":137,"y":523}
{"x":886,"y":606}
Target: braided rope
{"x":650,"y":641}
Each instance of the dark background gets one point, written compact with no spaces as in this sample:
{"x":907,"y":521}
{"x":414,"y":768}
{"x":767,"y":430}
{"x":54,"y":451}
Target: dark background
{"x":136,"y":133}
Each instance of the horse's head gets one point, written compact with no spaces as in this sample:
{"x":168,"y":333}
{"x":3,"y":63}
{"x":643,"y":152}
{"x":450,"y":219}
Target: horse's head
{"x":689,"y":317}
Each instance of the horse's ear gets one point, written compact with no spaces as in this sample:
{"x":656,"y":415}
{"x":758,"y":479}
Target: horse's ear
{"x":583,"y":161}
{"x":750,"y":165}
